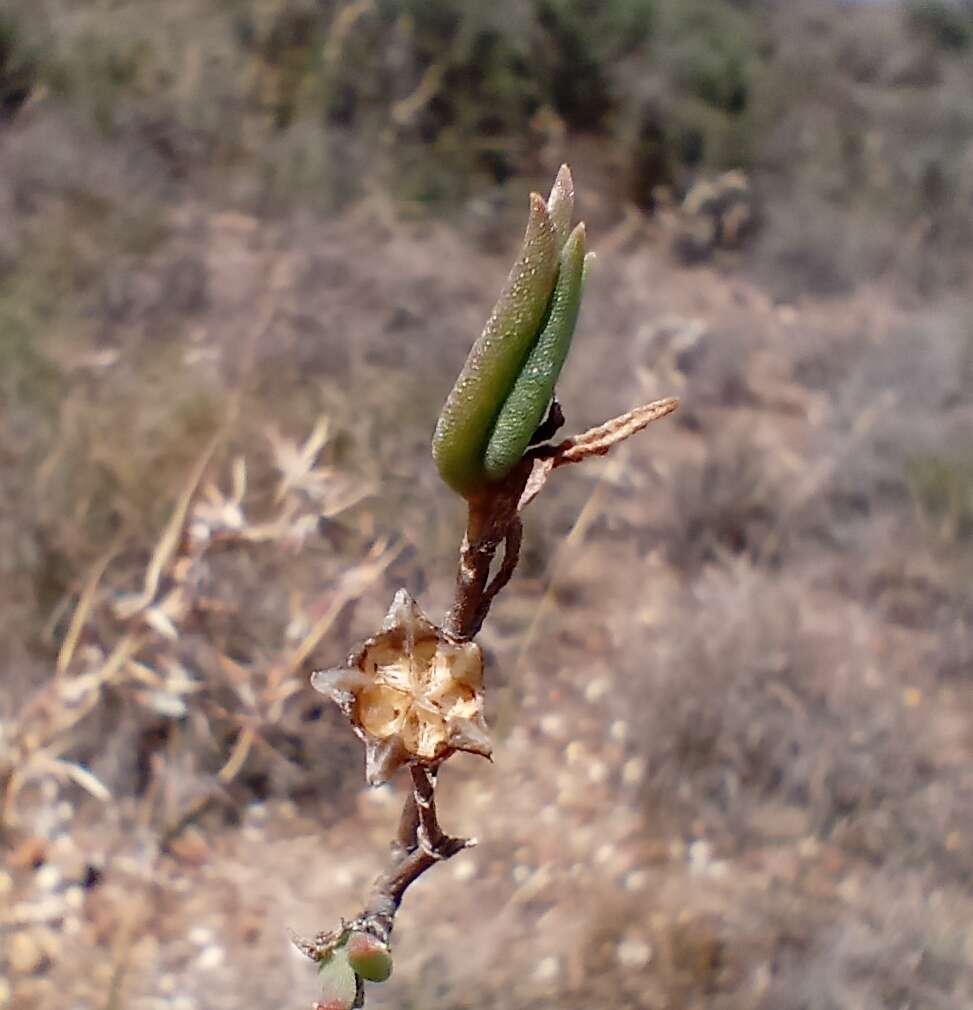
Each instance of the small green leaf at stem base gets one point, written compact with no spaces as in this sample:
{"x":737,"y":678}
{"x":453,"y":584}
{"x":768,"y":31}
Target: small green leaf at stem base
{"x":369,"y":957}
{"x":339,"y":986}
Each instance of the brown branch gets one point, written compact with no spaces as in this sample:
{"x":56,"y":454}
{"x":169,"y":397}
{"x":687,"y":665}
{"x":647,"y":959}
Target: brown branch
{"x":511,"y":555}
{"x":463,"y":620}
{"x":420,"y":844}
{"x":494,"y":514}
{"x":493,"y":519}
{"x":425,"y":845}
{"x":405,"y":839}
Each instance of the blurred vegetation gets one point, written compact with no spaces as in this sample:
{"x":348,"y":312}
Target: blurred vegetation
{"x":173,"y":264}
{"x":943,"y":486}
{"x":436,"y":96}
{"x":856,"y":132}
{"x":948,"y":23}
{"x":440,"y":98}
{"x":18,"y":67}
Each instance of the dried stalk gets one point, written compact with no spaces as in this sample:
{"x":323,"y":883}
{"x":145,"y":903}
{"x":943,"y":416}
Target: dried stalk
{"x":493,"y":520}
{"x":419,"y":844}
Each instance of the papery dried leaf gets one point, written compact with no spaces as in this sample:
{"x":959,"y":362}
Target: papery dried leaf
{"x":342,"y":680}
{"x":383,"y":758}
{"x":594,"y":442}
{"x":597,"y":441}
{"x":470,"y":735}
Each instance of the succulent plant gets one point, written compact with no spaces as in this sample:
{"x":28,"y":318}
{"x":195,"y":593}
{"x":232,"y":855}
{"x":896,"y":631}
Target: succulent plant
{"x":507,"y":383}
{"x":413,"y":692}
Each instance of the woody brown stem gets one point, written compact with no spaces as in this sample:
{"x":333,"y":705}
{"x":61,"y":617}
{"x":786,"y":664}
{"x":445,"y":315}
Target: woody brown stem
{"x":420,"y":844}
{"x":511,"y":555}
{"x":493,"y":519}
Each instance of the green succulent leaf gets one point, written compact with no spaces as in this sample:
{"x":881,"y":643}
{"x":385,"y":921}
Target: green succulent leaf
{"x":339,"y":985}
{"x":369,"y":957}
{"x":468,"y":416}
{"x":508,"y":380}
{"x":527,"y":402}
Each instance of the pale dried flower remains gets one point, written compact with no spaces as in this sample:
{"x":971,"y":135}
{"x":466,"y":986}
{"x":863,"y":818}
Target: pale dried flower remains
{"x":410,"y":693}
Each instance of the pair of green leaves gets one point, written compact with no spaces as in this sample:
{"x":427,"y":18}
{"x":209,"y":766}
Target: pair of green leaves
{"x":506,"y":386}
{"x":355,"y":956}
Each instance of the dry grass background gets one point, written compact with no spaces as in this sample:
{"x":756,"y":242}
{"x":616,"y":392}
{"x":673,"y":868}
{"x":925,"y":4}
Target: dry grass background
{"x":731,"y":680}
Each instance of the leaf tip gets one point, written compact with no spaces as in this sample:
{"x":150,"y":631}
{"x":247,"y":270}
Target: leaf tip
{"x":563,"y":184}
{"x":560,"y":204}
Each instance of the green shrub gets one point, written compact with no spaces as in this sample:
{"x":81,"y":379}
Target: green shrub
{"x":28,"y":377}
{"x":949,"y":23}
{"x":701,"y":70}
{"x":943,"y":489}
{"x":583,"y":43}
{"x":708,"y":54}
{"x":436,"y":97}
{"x":298,"y":101}
{"x":18,"y":67}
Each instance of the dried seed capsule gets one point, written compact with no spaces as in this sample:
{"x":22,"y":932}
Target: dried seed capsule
{"x":411,"y":693}
{"x":528,"y":401}
{"x":467,"y":418}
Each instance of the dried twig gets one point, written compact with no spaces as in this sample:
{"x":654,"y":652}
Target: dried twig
{"x":493,"y":519}
{"x":414,"y":692}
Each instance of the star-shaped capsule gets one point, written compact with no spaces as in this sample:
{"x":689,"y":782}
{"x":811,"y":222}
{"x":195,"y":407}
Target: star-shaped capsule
{"x":411,"y":693}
